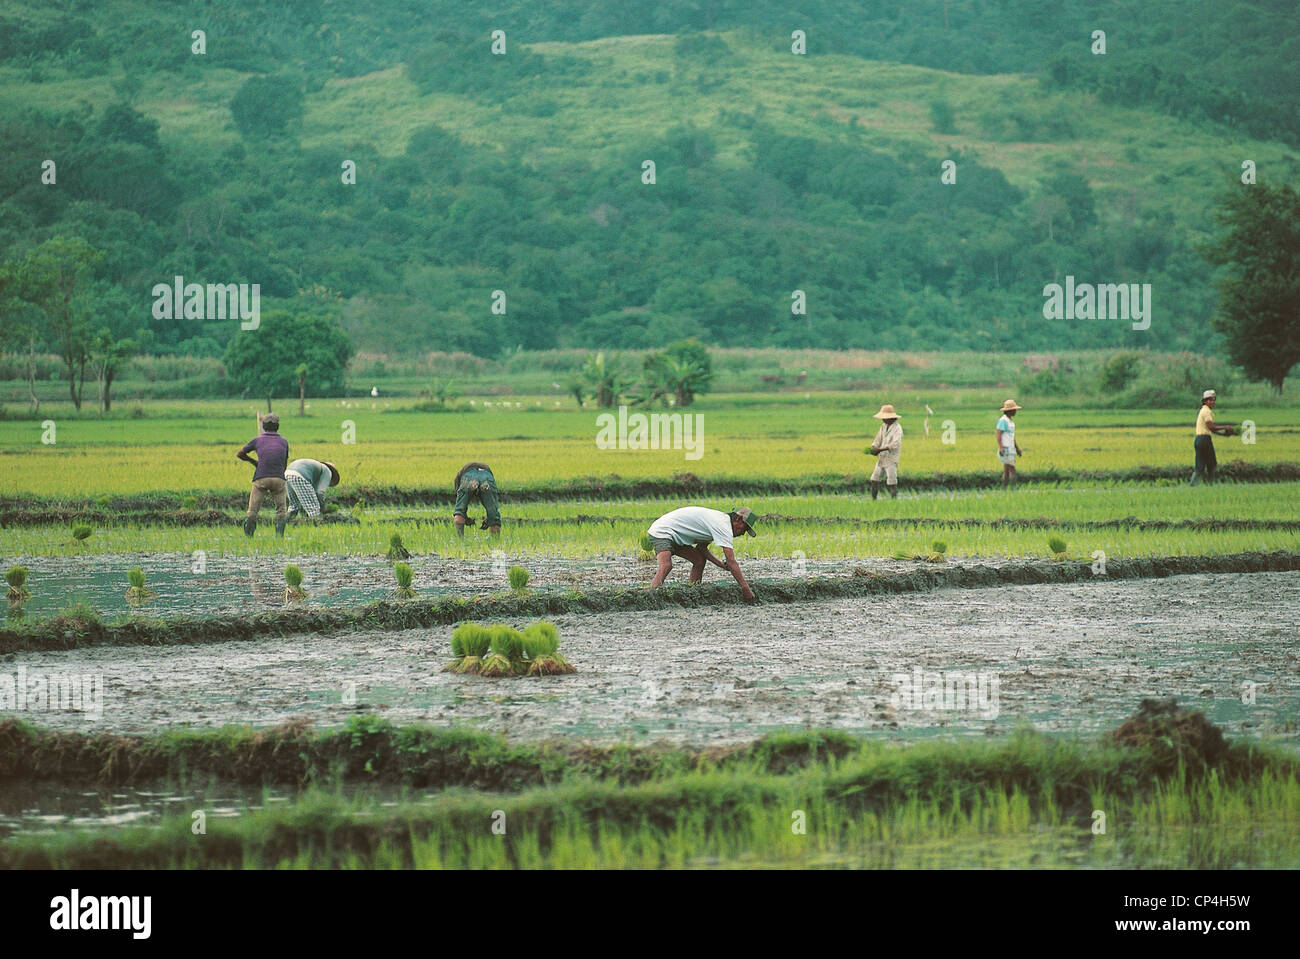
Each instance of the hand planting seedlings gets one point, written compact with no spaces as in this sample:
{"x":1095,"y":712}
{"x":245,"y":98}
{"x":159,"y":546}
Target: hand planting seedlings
{"x":518,"y":578}
{"x":16,"y":577}
{"x":293,"y":579}
{"x":507,"y":656}
{"x":137,"y":591}
{"x":1057,"y":546}
{"x":541,"y":642}
{"x":404,"y":576}
{"x":395,"y":548}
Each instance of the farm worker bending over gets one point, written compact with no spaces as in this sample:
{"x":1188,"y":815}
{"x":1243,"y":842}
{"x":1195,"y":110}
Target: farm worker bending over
{"x":1008,"y":449}
{"x":687,"y":532}
{"x":475,"y":481}
{"x":887,"y":445}
{"x":268,"y":478}
{"x":1206,"y":461}
{"x":307,"y":481}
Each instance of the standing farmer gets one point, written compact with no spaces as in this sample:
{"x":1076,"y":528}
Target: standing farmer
{"x":268,"y":477}
{"x":1008,"y":448}
{"x":1206,"y":461}
{"x":475,"y":481}
{"x":886,"y":446}
{"x":687,"y":532}
{"x":307,"y":481}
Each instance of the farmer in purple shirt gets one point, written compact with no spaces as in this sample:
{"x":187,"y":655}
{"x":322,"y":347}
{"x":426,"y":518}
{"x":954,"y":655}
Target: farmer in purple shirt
{"x":268,"y":479}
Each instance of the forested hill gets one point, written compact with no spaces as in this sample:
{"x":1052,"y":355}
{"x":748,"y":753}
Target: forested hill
{"x":524,"y":172}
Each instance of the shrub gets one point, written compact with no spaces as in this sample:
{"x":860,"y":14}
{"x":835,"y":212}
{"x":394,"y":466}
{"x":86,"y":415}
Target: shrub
{"x":1120,"y":371}
{"x":518,"y":577}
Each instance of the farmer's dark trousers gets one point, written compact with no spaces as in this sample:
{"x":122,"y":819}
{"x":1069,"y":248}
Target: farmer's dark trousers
{"x":1206,"y":461}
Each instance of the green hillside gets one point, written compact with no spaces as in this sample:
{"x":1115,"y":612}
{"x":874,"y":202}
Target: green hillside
{"x":523,"y":173}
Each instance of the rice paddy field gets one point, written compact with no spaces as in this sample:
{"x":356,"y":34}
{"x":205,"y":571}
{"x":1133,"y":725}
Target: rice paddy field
{"x":962,"y":676}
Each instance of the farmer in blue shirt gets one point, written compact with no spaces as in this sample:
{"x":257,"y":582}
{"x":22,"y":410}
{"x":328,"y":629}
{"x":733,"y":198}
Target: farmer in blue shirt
{"x":268,"y":478}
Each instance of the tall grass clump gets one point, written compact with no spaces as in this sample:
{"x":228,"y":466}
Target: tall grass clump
{"x":293,"y":580}
{"x":137,"y":590}
{"x":507,"y":656}
{"x":541,"y":642}
{"x":404,"y":576}
{"x":16,"y":577}
{"x":81,"y":533}
{"x":395,"y":548}
{"x":469,"y":644}
{"x":518,"y":577}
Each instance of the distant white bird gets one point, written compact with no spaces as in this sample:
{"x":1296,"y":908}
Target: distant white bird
{"x":374,"y":391}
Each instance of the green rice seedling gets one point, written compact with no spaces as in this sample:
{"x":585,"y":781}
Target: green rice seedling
{"x":395,"y":548}
{"x":541,"y":643}
{"x":939,"y":546}
{"x":646,"y":554}
{"x":507,"y":656}
{"x":469,"y":644}
{"x":518,"y":578}
{"x":1057,"y":546}
{"x":81,"y":533}
{"x":16,"y":577}
{"x":404,"y":576}
{"x":293,"y":579}
{"x":137,"y":590}
{"x":190,"y":502}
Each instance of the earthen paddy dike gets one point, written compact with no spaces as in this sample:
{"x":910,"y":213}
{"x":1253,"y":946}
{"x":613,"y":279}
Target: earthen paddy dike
{"x":1067,"y":657}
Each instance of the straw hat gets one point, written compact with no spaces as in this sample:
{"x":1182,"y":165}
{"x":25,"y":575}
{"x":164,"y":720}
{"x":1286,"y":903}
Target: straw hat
{"x":334,"y":473}
{"x":1010,"y":405}
{"x":886,"y":413}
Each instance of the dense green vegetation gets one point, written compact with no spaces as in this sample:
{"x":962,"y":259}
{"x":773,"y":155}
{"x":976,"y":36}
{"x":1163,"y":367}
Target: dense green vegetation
{"x":1173,"y":792}
{"x":522,"y":173}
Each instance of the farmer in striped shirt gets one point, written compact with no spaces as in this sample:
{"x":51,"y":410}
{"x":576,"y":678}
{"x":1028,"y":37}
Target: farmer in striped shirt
{"x":308,"y":481}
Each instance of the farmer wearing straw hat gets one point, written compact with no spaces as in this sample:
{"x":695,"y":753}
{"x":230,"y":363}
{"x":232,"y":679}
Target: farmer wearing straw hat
{"x":307,"y":481}
{"x":1206,"y":461}
{"x":687,"y":532}
{"x":886,"y":447}
{"x":1008,"y":448}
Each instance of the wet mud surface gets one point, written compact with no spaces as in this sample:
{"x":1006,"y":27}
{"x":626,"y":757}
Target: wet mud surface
{"x":1066,"y":657}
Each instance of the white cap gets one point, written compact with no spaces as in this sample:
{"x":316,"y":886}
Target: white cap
{"x":1207,"y":394}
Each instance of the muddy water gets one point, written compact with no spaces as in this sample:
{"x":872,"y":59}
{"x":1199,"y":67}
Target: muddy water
{"x":234,"y":584}
{"x":1067,"y":658}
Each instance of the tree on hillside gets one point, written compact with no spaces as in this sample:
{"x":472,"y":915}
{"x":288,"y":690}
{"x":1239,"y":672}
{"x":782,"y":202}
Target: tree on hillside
{"x":21,"y":326}
{"x":266,"y":106}
{"x":1259,"y":302}
{"x":54,"y":278}
{"x":266,"y":361}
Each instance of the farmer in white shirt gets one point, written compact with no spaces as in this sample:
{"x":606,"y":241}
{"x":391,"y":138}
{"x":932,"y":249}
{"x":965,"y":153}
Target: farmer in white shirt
{"x":886,"y":446}
{"x":687,"y":532}
{"x":1008,"y":449}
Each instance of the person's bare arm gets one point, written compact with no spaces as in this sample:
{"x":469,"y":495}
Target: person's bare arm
{"x":713,"y":559}
{"x":243,"y":455}
{"x":734,"y":567}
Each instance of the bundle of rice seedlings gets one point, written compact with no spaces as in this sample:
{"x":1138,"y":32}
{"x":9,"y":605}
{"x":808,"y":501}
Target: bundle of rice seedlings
{"x":404,"y":576}
{"x":137,"y":590}
{"x":518,"y":577}
{"x":395,"y":548}
{"x":644,"y":543}
{"x":507,"y":656}
{"x":541,"y":642}
{"x":469,"y":644}
{"x":939,"y":552}
{"x":293,"y":577}
{"x":81,"y":533}
{"x":1057,"y":546}
{"x":17,"y":580}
